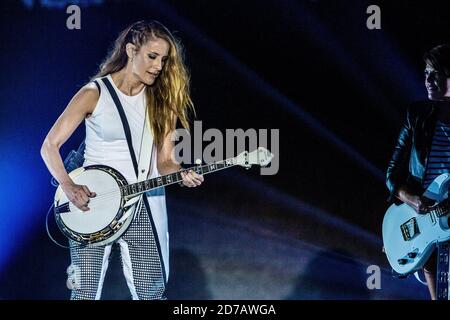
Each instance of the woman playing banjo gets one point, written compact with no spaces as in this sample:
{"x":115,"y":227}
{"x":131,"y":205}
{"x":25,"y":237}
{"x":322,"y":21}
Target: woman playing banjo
{"x":147,"y":72}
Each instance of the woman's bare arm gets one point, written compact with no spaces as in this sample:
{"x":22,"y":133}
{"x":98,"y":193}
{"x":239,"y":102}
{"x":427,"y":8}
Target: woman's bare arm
{"x":81,"y":106}
{"x":167,"y":163}
{"x":166,"y":159}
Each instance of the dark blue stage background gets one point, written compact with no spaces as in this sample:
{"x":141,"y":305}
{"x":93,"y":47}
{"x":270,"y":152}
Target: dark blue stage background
{"x":312,"y":69}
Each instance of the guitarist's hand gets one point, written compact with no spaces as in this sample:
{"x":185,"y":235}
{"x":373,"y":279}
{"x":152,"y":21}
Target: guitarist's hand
{"x":78,"y":194}
{"x":191,"y":178}
{"x":418,"y":203}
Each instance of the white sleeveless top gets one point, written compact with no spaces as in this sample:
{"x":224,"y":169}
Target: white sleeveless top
{"x":106,"y":144}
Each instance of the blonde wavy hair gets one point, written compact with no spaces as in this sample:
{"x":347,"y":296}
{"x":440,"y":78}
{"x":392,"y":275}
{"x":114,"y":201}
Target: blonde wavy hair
{"x":169,"y":96}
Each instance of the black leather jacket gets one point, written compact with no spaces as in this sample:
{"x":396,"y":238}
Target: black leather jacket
{"x":408,"y":163}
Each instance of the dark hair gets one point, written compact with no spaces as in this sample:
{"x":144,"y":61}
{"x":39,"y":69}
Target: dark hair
{"x":439,"y":58}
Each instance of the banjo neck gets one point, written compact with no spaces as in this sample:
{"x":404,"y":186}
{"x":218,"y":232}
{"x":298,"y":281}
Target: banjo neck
{"x":112,"y":212}
{"x":134,"y":189}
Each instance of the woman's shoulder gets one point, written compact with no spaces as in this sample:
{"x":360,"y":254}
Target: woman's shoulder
{"x":421,"y":105}
{"x":87,"y":97}
{"x":419,"y":108}
{"x":91,"y":88}
{"x":90,"y":92}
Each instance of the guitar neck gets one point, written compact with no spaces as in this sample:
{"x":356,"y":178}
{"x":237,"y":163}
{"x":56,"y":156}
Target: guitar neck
{"x":442,"y":209}
{"x":135,"y":189}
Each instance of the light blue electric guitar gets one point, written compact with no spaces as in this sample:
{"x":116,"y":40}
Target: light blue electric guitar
{"x":410,"y":237}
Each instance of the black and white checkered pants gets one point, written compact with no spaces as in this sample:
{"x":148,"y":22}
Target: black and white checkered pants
{"x":140,"y":260}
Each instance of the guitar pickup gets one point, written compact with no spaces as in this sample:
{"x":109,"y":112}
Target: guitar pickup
{"x":410,"y":229}
{"x":432,"y":218}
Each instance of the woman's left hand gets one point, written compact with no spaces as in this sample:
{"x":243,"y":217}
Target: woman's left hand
{"x":191,"y":179}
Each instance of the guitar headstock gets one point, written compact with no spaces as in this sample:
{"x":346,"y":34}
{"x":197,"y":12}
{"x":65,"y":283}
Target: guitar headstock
{"x":260,"y":156}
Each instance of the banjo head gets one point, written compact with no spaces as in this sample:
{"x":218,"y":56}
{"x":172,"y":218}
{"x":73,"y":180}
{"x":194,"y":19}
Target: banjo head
{"x":106,"y":208}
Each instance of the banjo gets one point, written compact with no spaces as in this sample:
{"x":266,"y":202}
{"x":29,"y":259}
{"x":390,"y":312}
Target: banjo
{"x":112,"y":209}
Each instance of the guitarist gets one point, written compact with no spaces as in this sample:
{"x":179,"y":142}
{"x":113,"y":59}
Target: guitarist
{"x":147,"y":72}
{"x":422,"y":151}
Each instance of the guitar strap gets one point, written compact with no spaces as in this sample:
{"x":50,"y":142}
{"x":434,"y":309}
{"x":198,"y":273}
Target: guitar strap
{"x":142,"y":169}
{"x":123,"y":117}
{"x":416,"y":274}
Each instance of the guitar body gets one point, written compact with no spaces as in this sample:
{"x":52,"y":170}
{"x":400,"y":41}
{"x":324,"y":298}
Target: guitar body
{"x":410,"y":237}
{"x":109,"y":215}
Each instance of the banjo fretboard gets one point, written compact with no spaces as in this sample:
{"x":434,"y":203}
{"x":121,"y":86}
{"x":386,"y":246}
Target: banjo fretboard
{"x":134,"y":189}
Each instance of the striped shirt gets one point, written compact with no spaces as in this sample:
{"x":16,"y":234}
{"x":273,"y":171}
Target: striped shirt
{"x":439,"y":157}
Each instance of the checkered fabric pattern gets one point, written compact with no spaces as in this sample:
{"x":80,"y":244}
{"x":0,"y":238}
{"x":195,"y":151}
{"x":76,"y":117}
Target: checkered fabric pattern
{"x":140,"y":261}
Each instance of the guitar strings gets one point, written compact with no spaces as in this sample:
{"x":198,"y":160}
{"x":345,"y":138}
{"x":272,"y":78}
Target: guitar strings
{"x":425,"y":216}
{"x":113,"y":193}
{"x":110,"y":192}
{"x":121,"y":187}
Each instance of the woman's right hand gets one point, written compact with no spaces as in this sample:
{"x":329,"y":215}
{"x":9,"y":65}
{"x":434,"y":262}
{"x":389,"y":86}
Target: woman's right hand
{"x":418,"y":203}
{"x":78,"y":194}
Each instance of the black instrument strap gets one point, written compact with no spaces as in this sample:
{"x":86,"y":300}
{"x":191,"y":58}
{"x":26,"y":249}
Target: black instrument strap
{"x":126,"y":128}
{"x":98,"y":87}
{"x":125,"y":124}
